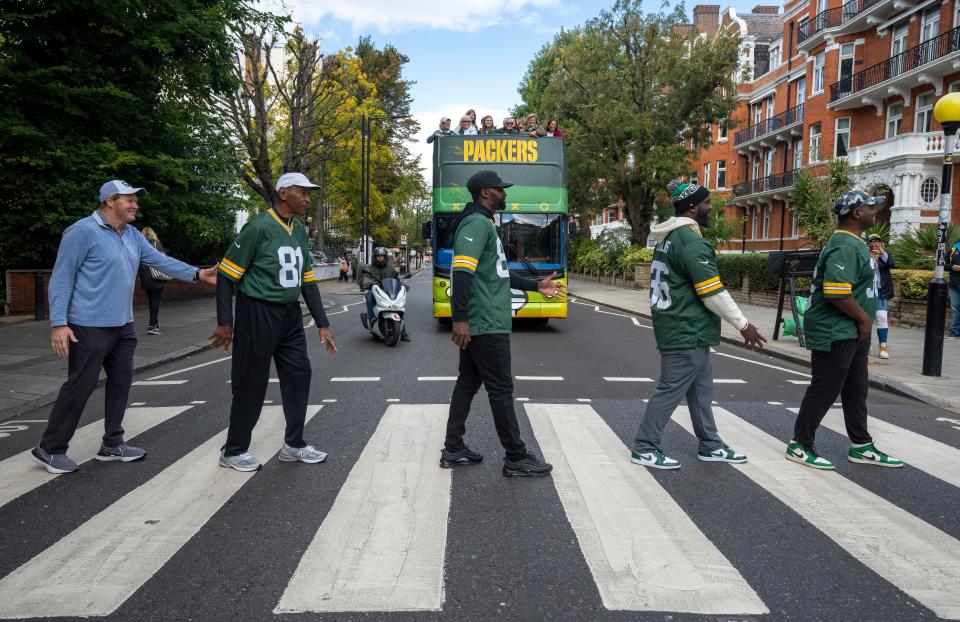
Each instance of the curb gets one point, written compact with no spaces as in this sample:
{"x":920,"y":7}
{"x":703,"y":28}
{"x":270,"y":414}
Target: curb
{"x":881,"y":382}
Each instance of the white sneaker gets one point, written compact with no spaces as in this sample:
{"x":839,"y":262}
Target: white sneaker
{"x":655,"y":459}
{"x":243,"y":462}
{"x":724,"y":454}
{"x":308,"y":454}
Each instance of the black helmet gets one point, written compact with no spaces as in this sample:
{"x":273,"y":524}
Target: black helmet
{"x":380,"y":257}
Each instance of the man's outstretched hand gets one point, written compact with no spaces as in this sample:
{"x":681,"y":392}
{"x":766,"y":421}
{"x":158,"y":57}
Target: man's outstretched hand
{"x":752,"y":337}
{"x":549,"y":287}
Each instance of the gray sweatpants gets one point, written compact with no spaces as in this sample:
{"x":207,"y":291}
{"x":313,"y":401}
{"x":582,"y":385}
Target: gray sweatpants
{"x":683,"y":373}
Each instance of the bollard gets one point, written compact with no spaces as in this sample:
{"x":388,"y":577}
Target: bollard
{"x":39,"y":298}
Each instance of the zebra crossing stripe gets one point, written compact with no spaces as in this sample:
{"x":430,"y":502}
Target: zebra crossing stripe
{"x":938,"y":459}
{"x":21,"y":474}
{"x":98,"y":566}
{"x":657,"y":559}
{"x":382,"y":545}
{"x":913,"y":555}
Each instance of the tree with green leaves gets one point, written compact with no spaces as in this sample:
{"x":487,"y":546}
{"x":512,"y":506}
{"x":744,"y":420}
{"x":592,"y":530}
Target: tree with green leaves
{"x":814,"y":191}
{"x":634,"y":94}
{"x":722,"y":228}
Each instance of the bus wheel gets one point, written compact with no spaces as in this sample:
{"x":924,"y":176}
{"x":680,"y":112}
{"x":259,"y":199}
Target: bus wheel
{"x":541,"y":321}
{"x":445,"y":322}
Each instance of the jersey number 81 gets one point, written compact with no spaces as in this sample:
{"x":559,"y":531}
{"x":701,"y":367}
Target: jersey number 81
{"x":291,"y":266}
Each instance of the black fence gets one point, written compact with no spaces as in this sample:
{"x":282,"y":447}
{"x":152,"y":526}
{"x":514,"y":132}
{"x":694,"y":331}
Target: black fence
{"x":772,"y":124}
{"x":765,"y":184}
{"x":831,"y":18}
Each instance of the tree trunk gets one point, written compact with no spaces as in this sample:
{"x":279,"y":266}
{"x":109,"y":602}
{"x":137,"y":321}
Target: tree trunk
{"x":639,"y":209}
{"x":320,"y":215}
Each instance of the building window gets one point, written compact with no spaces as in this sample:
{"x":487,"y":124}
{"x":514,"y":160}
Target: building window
{"x":753,"y":222}
{"x":814,"y":143}
{"x":845,"y":68}
{"x":798,"y":154}
{"x":801,"y":91}
{"x":706,"y":175}
{"x":894,"y":119}
{"x":898,"y":44}
{"x":756,"y":167}
{"x":768,"y":162}
{"x":757,"y":113}
{"x":771,"y":112}
{"x":709,"y":131}
{"x":955,"y":87}
{"x":818,"y":73}
{"x":721,"y":173}
{"x":930,"y":190}
{"x":794,"y":224}
{"x":841,"y":137}
{"x":611,"y":215}
{"x":775,"y":57}
{"x":693,"y":177}
{"x":931,"y":25}
{"x":924,"y":115}
{"x":722,"y":131}
{"x":766,"y":221}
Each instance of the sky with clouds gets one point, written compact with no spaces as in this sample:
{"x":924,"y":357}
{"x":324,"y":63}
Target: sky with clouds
{"x":463,"y":53}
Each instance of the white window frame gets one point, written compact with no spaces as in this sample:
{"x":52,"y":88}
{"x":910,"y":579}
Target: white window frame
{"x":706,"y":175}
{"x":753,"y":222}
{"x":821,"y":6}
{"x":801,"y":96}
{"x":924,"y":114}
{"x":895,"y":118}
{"x":693,"y":178}
{"x":815,"y":143}
{"x":798,"y":153}
{"x":929,"y":19}
{"x":775,"y":57}
{"x":771,"y":107}
{"x":722,"y":131}
{"x":955,"y":86}
{"x":767,"y":209}
{"x":768,"y":162}
{"x":722,"y":169}
{"x":898,"y":42}
{"x":755,"y":167}
{"x":838,"y":131}
{"x":818,"y":70}
{"x":794,"y":223}
{"x":852,"y":51}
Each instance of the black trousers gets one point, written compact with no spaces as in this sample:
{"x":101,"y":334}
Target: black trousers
{"x":263,"y":331}
{"x":486,"y":360}
{"x":344,"y":276}
{"x":154,"y":296}
{"x":841,"y":371}
{"x":110,"y":349}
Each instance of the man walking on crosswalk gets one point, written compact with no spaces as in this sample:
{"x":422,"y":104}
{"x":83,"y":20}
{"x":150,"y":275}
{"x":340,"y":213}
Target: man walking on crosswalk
{"x":843,"y":304}
{"x":687,"y":301}
{"x":270,"y":264}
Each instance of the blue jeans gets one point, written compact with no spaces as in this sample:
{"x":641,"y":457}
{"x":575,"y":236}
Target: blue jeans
{"x":955,"y":307}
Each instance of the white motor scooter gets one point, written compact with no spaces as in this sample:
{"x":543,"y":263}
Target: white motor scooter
{"x":389,"y":303}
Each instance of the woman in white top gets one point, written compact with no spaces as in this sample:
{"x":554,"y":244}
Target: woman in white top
{"x":467,"y":128}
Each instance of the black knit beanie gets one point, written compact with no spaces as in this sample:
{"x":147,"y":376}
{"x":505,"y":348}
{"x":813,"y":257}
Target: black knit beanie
{"x":686,"y":195}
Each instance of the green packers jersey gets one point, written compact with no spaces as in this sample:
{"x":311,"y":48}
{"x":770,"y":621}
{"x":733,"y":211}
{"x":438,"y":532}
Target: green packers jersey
{"x":269,"y":259}
{"x":844,"y":269}
{"x":477,"y":250}
{"x":683,"y":273}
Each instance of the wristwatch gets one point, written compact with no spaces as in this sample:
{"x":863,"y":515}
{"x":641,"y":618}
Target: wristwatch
{"x":196,"y":275}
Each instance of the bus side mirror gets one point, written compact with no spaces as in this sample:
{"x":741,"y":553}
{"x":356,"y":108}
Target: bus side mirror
{"x":428,"y":230}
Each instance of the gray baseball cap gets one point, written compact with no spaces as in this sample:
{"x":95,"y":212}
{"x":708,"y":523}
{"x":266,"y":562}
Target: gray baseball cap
{"x":853,"y":199}
{"x":118,"y":186}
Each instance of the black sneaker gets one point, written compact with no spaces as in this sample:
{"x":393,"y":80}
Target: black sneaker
{"x":528,"y":466}
{"x":405,"y":337}
{"x":464,"y":457}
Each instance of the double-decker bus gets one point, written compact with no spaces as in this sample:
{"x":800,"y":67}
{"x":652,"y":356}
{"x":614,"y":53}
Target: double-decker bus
{"x":533,"y":227}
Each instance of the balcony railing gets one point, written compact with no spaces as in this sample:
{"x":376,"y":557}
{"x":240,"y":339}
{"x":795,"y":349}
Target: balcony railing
{"x":831,"y":18}
{"x":788,"y":117}
{"x":765,"y":184}
{"x":915,"y":57}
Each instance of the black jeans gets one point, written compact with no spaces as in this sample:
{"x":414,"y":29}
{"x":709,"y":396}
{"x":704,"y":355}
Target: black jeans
{"x":841,"y":371}
{"x":263,"y":331}
{"x":486,"y":360}
{"x":110,"y":349}
{"x":154,"y":296}
{"x":344,"y":276}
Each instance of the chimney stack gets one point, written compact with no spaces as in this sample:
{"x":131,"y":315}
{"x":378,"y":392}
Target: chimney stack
{"x":765,"y":10}
{"x":706,"y":18}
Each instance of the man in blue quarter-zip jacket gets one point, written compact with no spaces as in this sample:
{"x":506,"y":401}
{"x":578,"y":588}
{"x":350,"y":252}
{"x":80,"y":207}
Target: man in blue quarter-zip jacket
{"x":91,"y":319}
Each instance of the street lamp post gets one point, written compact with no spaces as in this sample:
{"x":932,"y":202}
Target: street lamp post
{"x":947,"y":113}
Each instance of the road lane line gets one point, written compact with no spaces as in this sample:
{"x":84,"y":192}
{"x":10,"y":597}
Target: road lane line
{"x":916,"y":557}
{"x":94,"y":569}
{"x":775,"y":403}
{"x":635,"y":321}
{"x":802,"y":382}
{"x":933,"y":457}
{"x":330,"y":401}
{"x":539,"y":377}
{"x":21,"y":474}
{"x":436,"y":378}
{"x":657,"y":559}
{"x":198,"y":402}
{"x":752,"y":362}
{"x":138,"y":403}
{"x":356,"y":379}
{"x":381,"y":547}
{"x":626,"y":379}
{"x":180,"y":371}
{"x":728,"y":381}
{"x":158,"y":383}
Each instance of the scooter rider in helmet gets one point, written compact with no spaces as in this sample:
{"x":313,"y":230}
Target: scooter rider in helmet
{"x":378,"y":270}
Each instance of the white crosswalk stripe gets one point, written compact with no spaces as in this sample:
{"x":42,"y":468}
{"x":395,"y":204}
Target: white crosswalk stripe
{"x":911,"y":554}
{"x":21,"y":474}
{"x":644,"y":552}
{"x":99,"y":565}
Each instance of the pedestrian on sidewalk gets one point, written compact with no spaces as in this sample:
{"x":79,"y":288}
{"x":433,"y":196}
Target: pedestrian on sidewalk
{"x":687,"y":301}
{"x":91,"y":319}
{"x":344,"y":270}
{"x":269,"y":263}
{"x":884,"y":262}
{"x":837,"y":327}
{"x":482,"y":322}
{"x":955,"y":289}
{"x":153,"y":281}
{"x":354,"y":265}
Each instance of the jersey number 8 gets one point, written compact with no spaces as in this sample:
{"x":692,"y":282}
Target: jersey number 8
{"x":291,"y":266}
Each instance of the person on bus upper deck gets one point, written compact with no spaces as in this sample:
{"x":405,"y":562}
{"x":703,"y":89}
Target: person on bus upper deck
{"x":509,"y":126}
{"x":532,"y":126}
{"x":553,"y":128}
{"x":473,"y":118}
{"x":487,"y":126}
{"x":444,"y":130}
{"x":467,"y":128}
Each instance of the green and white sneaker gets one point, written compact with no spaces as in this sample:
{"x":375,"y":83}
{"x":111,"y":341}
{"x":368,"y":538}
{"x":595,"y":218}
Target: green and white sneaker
{"x":807,"y":456}
{"x":869,"y":454}
{"x":654,"y":459}
{"x":724,"y":454}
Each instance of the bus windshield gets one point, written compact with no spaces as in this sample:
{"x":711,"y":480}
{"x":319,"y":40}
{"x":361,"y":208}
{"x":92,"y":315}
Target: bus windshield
{"x":536,"y":237}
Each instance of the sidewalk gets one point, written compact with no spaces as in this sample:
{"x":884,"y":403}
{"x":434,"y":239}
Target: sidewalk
{"x":31,"y":374}
{"x":899,"y":374}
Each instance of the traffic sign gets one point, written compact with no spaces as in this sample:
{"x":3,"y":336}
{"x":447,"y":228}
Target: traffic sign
{"x":403,"y":238}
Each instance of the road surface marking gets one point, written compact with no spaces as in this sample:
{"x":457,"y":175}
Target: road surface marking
{"x":622,"y":379}
{"x":158,"y":383}
{"x":913,"y":555}
{"x":356,"y":379}
{"x":268,"y":401}
{"x":381,"y":547}
{"x":180,"y":371}
{"x":728,"y":381}
{"x":657,"y":560}
{"x":752,"y":362}
{"x":98,"y":566}
{"x":138,"y":403}
{"x":21,"y":474}
{"x":330,"y":401}
{"x":274,"y":380}
{"x":805,"y":382}
{"x":552,"y":378}
{"x":309,"y":324}
{"x":635,"y":321}
{"x":523,"y":399}
{"x":584,"y":400}
{"x":198,"y":402}
{"x":436,"y":378}
{"x":393,"y":399}
{"x":938,"y":459}
{"x":775,"y":403}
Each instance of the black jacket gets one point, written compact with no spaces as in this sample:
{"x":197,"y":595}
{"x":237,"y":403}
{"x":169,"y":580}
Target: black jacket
{"x":146,"y":280}
{"x":886,"y":281}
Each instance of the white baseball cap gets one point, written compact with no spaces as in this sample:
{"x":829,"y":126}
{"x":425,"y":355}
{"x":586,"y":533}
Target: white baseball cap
{"x":118,"y":186}
{"x":444,"y":119}
{"x":294,"y":179}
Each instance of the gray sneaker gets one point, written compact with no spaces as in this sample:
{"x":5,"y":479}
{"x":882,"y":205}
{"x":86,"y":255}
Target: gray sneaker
{"x":54,"y":463}
{"x":308,"y":454}
{"x":242,"y":462}
{"x":122,"y":452}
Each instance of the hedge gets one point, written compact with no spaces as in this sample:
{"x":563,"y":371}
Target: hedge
{"x":912,"y":283}
{"x":734,"y":267}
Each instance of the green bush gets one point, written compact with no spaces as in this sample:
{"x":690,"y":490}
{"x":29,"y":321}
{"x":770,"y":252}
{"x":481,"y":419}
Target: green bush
{"x":633,"y":255}
{"x":912,"y":284}
{"x":734,"y":267}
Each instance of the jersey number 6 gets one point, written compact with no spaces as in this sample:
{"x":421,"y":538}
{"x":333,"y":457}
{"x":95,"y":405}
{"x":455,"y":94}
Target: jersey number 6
{"x":659,"y":290}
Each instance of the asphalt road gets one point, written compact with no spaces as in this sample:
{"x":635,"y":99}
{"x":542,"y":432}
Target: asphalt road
{"x":600,"y":540}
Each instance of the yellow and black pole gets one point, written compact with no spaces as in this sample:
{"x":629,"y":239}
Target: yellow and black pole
{"x":947,"y":113}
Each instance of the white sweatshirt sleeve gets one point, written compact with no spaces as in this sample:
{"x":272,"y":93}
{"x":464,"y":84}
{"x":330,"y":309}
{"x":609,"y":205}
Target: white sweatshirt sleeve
{"x":723,"y":305}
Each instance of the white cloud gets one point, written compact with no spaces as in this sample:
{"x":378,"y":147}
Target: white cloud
{"x":391,"y":16}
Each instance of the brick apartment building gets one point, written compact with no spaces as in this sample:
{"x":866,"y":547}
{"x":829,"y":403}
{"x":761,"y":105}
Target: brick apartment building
{"x":857,"y":79}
